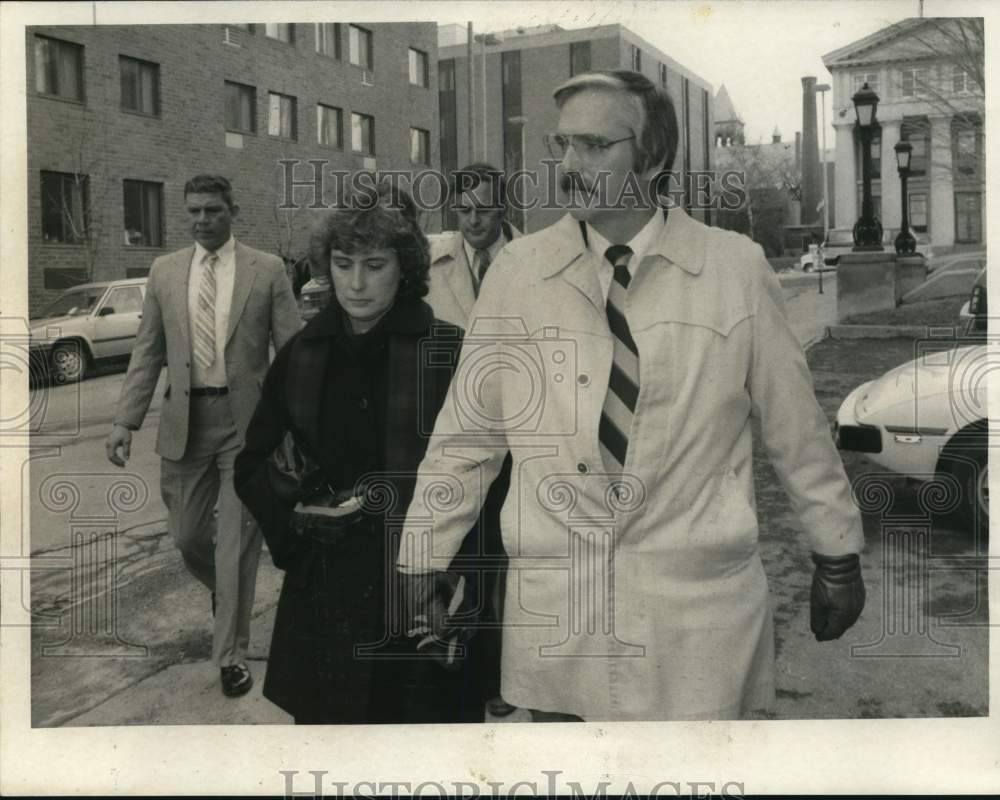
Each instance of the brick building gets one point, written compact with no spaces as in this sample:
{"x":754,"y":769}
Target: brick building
{"x":118,"y":117}
{"x":523,"y":66}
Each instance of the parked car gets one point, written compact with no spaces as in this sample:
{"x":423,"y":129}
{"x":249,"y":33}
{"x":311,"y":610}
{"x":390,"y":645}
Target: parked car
{"x":841,"y":240}
{"x":973,"y":313}
{"x":928,"y":418}
{"x":86,"y":324}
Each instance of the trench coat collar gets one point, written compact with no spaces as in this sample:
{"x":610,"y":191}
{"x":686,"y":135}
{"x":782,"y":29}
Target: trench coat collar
{"x":411,"y":315}
{"x":681,"y":242}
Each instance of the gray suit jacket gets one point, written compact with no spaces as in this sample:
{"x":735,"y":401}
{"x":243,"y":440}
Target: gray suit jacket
{"x":263,"y":308}
{"x":451,"y":292}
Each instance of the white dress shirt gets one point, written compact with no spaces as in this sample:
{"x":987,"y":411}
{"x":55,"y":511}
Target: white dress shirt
{"x":640,"y":244}
{"x":225,"y":272}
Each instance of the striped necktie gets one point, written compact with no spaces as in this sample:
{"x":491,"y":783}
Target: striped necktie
{"x":482,"y":264}
{"x":623,"y":387}
{"x":204,"y":322}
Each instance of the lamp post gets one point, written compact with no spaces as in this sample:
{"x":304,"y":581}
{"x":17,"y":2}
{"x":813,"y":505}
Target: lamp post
{"x":867,"y":230}
{"x":485,"y":39}
{"x":523,"y":123}
{"x":823,"y":88}
{"x":905,"y":242}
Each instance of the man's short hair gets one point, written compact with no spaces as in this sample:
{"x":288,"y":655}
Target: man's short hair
{"x":211,"y":184}
{"x":469,"y":178}
{"x":657,"y":137}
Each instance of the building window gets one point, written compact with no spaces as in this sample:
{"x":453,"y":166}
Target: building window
{"x":967,"y":139}
{"x":59,"y":68}
{"x":143,"y":214}
{"x":961,"y":80}
{"x":859,"y":79}
{"x":917,"y":133}
{"x":636,"y":59}
{"x":363,"y":134}
{"x":361,"y":47}
{"x":140,"y":85}
{"x":282,"y":31}
{"x":420,"y":146}
{"x":281,"y":116}
{"x":579,"y":57}
{"x":329,"y":126}
{"x":663,"y":75}
{"x":968,"y":217}
{"x":418,"y":68}
{"x":241,"y":108}
{"x":64,"y":207}
{"x":913,"y":82}
{"x":918,"y":212}
{"x":328,"y":39}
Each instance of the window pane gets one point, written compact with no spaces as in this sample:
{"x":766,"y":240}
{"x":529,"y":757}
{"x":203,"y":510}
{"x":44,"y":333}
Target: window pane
{"x":125,"y":300}
{"x":44,"y":68}
{"x":918,"y":212}
{"x":274,"y":115}
{"x":130,"y":91}
{"x":142,"y":202}
{"x":282,"y":31}
{"x":69,"y":71}
{"x":150,"y":101}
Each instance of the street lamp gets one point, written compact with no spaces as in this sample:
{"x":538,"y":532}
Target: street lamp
{"x":867,"y":230}
{"x":523,"y":123}
{"x":823,"y":88}
{"x":906,"y":244}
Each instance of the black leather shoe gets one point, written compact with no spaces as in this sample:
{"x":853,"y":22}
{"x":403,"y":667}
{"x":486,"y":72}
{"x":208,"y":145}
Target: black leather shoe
{"x":498,"y":707}
{"x":236,"y":680}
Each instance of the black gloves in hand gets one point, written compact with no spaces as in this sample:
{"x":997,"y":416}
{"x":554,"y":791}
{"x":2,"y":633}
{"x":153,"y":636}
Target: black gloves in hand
{"x":430,"y":600}
{"x":838,"y":595}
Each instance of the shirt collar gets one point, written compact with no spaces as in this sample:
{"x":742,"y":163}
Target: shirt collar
{"x":681,"y":242}
{"x":641,"y":244}
{"x":493,"y":249}
{"x":225,"y":253}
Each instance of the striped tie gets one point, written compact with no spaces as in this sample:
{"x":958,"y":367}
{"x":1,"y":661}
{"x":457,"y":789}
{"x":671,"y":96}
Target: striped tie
{"x":482,"y":264}
{"x":623,"y":387}
{"x":204,"y":323}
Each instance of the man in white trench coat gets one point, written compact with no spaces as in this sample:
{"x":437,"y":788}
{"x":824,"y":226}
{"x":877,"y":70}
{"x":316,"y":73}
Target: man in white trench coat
{"x":619,"y":356}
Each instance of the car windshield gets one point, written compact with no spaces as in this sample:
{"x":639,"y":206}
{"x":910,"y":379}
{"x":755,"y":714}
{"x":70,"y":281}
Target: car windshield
{"x":73,"y":303}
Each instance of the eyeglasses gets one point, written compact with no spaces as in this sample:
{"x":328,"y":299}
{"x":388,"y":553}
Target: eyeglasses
{"x":585,"y":145}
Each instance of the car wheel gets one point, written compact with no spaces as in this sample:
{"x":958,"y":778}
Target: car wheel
{"x":70,"y":362}
{"x":970,"y":468}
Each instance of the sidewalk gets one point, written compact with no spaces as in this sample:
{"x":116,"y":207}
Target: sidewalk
{"x":157,"y":670}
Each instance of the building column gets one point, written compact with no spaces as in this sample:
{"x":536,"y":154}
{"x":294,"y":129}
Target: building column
{"x":942,"y":200}
{"x":892,"y":190}
{"x":845,"y":189}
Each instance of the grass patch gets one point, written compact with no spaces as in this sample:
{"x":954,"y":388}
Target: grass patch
{"x":940,"y":311}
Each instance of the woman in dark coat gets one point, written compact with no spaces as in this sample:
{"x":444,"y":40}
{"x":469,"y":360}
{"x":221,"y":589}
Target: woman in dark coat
{"x":358,"y":389}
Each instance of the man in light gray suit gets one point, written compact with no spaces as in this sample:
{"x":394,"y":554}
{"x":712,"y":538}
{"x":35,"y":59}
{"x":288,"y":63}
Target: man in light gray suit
{"x":209,"y":313}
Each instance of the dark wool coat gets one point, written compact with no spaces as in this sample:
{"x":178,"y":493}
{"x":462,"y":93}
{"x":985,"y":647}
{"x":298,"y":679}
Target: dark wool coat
{"x":337,"y":654}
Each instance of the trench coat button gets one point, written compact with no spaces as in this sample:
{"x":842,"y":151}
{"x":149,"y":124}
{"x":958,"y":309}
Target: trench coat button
{"x":583,"y":379}
{"x":363,"y":405}
{"x":582,"y":468}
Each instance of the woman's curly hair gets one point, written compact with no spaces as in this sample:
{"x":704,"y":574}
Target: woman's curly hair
{"x":385,"y":218}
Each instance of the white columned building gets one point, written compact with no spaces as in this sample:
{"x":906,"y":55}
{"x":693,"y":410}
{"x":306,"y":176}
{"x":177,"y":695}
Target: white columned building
{"x":928,"y":75}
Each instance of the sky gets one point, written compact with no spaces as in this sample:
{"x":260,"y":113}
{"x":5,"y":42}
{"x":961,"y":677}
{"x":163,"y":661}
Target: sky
{"x":760,"y":49}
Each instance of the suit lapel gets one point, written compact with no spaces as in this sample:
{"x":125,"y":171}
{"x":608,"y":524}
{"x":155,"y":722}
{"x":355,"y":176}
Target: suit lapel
{"x":180,"y":286}
{"x":458,"y":278}
{"x":243,"y":279}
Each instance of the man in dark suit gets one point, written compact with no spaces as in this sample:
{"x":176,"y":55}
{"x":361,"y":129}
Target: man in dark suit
{"x":209,"y":313}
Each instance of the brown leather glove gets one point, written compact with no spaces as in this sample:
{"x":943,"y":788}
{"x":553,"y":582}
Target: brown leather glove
{"x":838,"y":595}
{"x":429,"y":603}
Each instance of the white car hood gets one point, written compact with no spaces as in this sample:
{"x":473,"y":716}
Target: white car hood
{"x":39,"y":327}
{"x":940,"y":389}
